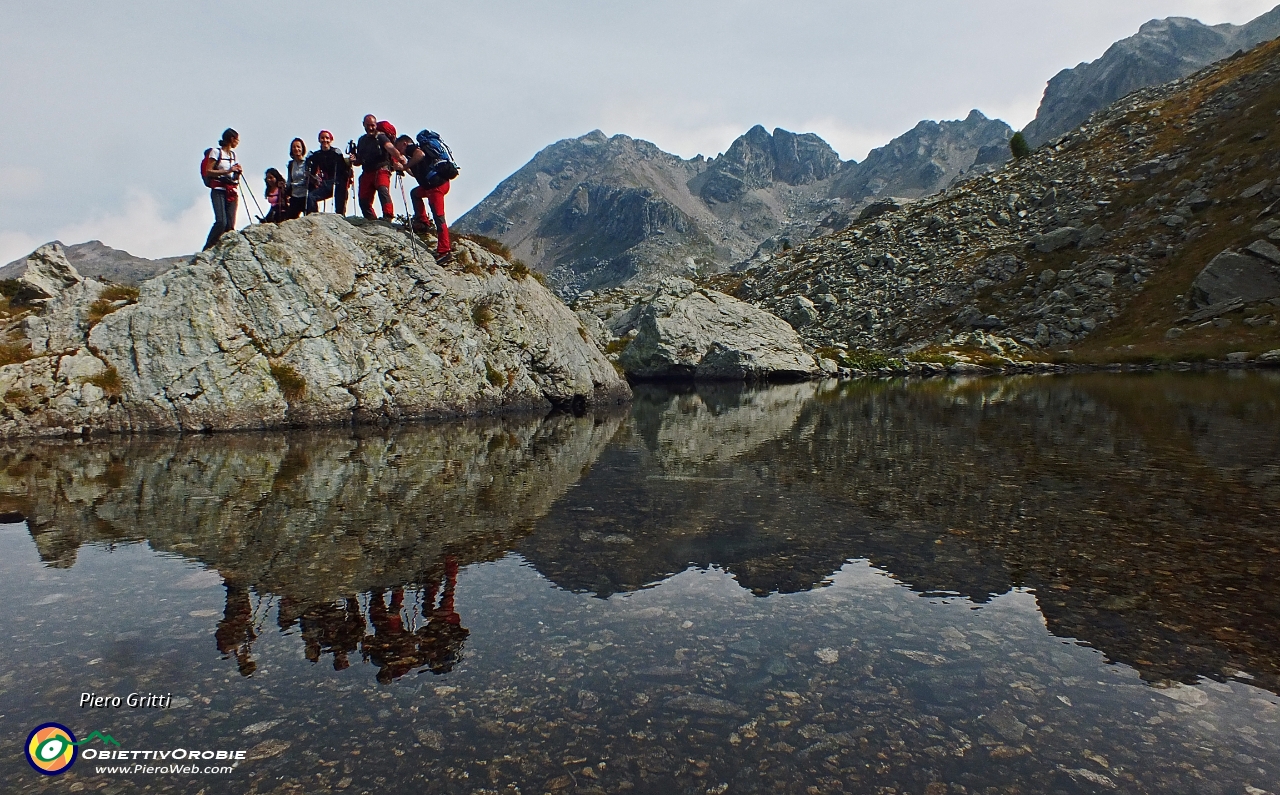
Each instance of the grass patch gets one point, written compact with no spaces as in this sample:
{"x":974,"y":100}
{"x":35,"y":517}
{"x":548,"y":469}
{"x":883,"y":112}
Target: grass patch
{"x":10,"y":287}
{"x":583,"y":333}
{"x":489,"y":244}
{"x":926,"y":357}
{"x":292,"y":384}
{"x":617,"y":346}
{"x":14,"y":352}
{"x":862,"y":359}
{"x":108,"y":381}
{"x":519,"y":270}
{"x":108,"y":301}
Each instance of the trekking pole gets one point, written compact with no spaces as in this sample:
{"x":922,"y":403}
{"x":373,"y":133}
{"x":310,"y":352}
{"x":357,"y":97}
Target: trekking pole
{"x":249,"y":190}
{"x":408,"y":222}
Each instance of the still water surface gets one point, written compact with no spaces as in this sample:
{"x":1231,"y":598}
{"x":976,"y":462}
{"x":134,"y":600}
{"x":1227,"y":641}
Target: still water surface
{"x":1034,"y":585}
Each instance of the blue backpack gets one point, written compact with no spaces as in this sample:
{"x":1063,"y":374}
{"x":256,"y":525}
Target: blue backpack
{"x":445,"y":166}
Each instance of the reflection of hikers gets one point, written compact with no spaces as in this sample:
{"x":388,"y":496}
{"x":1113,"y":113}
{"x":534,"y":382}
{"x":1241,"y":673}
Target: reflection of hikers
{"x":391,"y":647}
{"x":440,"y":642}
{"x":275,"y":197}
{"x":374,"y":153}
{"x":221,"y":172}
{"x":295,"y":180}
{"x":431,"y":163}
{"x":328,"y":173}
{"x":235,"y":633}
{"x":332,"y":628}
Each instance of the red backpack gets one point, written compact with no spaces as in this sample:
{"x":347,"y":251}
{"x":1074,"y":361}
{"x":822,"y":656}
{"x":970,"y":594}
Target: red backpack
{"x":205,"y":164}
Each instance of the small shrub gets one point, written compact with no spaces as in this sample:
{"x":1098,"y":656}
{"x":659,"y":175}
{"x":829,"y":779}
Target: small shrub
{"x":617,"y":346}
{"x":519,"y":270}
{"x":292,"y":384}
{"x":108,"y":381}
{"x":1018,"y":146}
{"x":492,"y":245}
{"x":494,"y":376}
{"x":482,"y":315}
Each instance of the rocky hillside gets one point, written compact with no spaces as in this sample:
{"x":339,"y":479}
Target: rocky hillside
{"x":594,"y":212}
{"x":104,"y":263}
{"x":309,"y":322}
{"x":1149,"y":232}
{"x":1162,"y":50}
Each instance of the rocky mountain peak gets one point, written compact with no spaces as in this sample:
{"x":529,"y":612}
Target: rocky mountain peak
{"x":758,"y":159}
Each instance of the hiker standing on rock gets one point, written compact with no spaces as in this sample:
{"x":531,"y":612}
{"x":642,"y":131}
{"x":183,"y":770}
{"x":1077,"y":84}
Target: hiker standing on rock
{"x":296,"y":180}
{"x":375,"y":152}
{"x":328,"y":174}
{"x":221,"y":173}
{"x":431,"y":163}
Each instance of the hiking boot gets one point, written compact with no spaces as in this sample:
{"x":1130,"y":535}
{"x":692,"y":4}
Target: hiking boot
{"x":422,"y":226}
{"x":444,"y":257}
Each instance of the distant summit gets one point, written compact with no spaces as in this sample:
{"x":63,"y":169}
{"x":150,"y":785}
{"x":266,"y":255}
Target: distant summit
{"x":104,"y":263}
{"x":597,"y":211}
{"x":1162,"y":50}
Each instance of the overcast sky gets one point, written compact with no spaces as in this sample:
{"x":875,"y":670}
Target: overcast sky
{"x":107,"y":105}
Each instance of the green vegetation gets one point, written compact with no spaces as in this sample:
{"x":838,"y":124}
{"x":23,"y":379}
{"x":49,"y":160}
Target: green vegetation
{"x":617,"y":346}
{"x":482,"y":315}
{"x":292,"y":384}
{"x":495,"y":376}
{"x":109,"y":301}
{"x":1018,"y":146}
{"x":108,"y":381}
{"x":492,"y":245}
{"x":14,"y":352}
{"x":9,"y":287}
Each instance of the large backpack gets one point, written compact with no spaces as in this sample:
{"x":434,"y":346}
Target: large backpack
{"x":445,"y":166}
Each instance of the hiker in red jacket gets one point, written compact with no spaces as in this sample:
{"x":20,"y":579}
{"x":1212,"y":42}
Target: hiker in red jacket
{"x":431,"y":163}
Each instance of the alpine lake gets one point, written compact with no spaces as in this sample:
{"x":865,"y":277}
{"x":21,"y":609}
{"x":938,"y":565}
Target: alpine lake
{"x":1060,"y":584}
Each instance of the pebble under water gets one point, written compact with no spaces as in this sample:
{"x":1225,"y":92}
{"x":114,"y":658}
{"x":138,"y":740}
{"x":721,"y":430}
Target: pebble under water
{"x":1005,"y":585}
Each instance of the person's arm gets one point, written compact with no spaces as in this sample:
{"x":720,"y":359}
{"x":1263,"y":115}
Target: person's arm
{"x":397,"y":159}
{"x":225,"y":172}
{"x":417,"y":157}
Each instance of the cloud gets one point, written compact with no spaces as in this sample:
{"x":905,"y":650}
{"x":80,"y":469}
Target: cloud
{"x":141,"y":228}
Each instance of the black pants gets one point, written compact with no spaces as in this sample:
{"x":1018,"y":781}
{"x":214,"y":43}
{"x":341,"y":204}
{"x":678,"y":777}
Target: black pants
{"x":224,"y":216}
{"x":329,"y":190}
{"x":293,"y":207}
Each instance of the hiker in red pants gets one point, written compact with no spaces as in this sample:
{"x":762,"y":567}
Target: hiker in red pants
{"x":431,"y":163}
{"x":376,"y":154}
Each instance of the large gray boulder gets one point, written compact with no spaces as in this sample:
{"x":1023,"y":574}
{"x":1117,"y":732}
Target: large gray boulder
{"x":44,"y":274}
{"x":685,"y":332}
{"x":310,"y":322}
{"x":1232,"y":275}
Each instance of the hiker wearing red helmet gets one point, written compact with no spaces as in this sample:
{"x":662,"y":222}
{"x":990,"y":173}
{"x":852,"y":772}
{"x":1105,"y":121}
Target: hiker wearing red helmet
{"x":375,"y":154}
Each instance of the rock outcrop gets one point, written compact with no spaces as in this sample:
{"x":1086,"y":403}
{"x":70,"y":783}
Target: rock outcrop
{"x":1161,"y":50}
{"x":683,"y":332}
{"x":313,"y":321}
{"x":596,"y":212}
{"x":104,"y":263}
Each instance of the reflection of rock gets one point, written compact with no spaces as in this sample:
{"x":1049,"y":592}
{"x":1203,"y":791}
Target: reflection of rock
{"x":688,"y":333}
{"x":309,"y":322}
{"x":314,"y":516}
{"x":712,"y":425}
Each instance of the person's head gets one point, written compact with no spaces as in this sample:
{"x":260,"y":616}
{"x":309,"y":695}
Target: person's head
{"x":230,"y":139}
{"x":297,"y":149}
{"x":370,"y":123}
{"x":326,"y":139}
{"x":273,"y":178}
{"x":403,"y":143}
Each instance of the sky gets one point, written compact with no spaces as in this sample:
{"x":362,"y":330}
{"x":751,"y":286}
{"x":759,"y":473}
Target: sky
{"x":107,"y":106}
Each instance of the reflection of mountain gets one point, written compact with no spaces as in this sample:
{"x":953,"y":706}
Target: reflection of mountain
{"x":314,"y":518}
{"x":1140,"y":510}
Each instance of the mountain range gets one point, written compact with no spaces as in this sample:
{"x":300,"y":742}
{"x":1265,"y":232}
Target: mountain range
{"x":596,"y":212}
{"x":104,"y":263}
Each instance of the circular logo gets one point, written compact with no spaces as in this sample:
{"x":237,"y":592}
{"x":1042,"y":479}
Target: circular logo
{"x":51,"y":748}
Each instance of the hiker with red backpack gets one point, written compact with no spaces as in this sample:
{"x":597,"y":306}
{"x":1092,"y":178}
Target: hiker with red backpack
{"x":375,"y":154}
{"x":221,"y":174}
{"x":429,"y":160}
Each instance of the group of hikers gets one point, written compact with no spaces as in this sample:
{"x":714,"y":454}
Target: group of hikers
{"x":328,"y":173}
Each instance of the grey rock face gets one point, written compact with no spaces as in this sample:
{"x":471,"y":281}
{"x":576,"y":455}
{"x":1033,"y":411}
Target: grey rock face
{"x":1057,"y":239}
{"x":1162,"y":50}
{"x":45,"y":274}
{"x":685,"y":333}
{"x":104,"y":263}
{"x":313,"y":321}
{"x":1231,"y":276}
